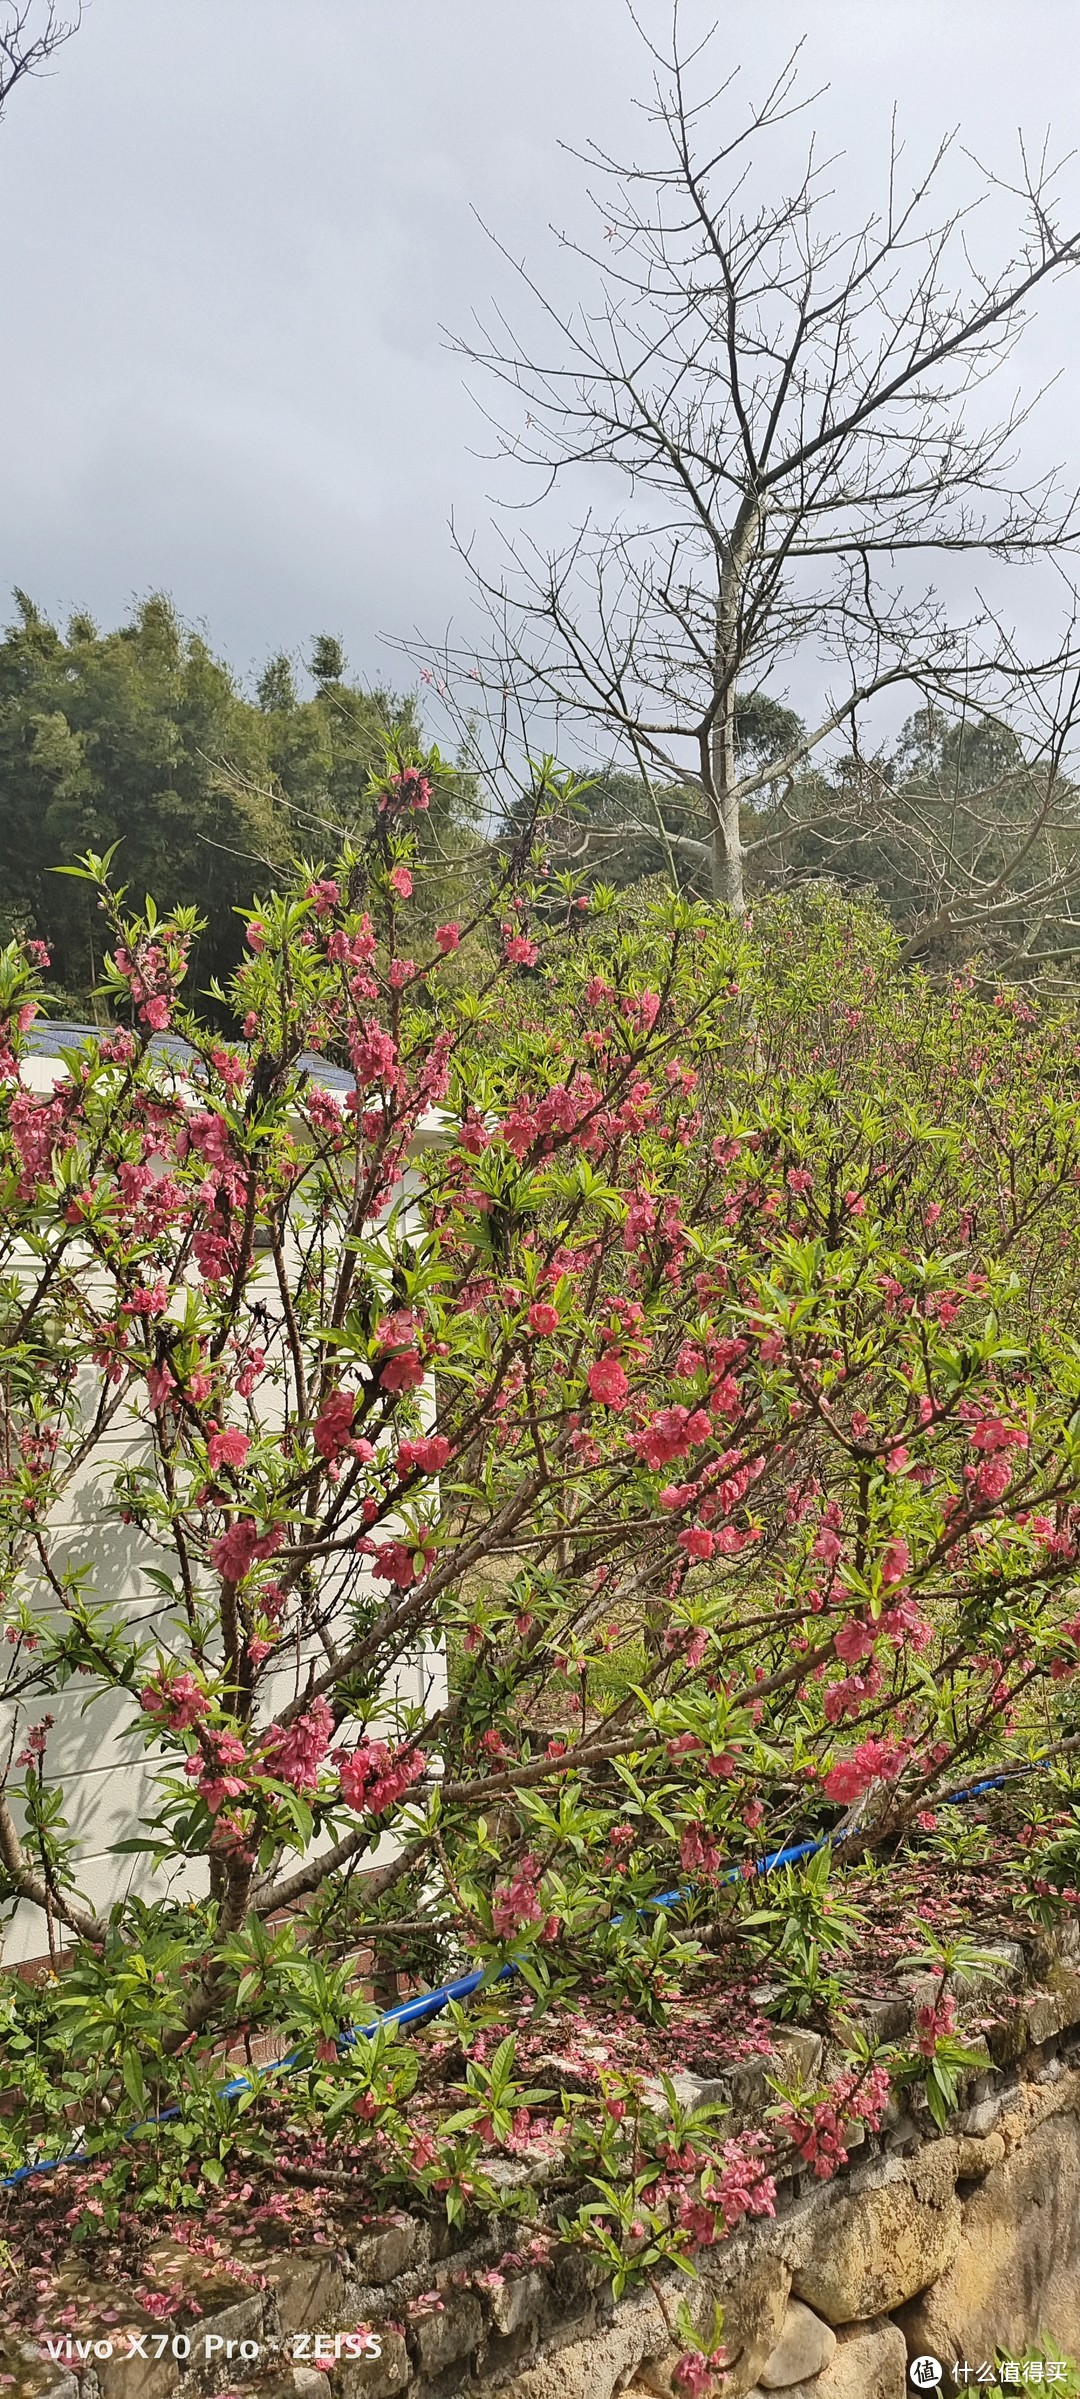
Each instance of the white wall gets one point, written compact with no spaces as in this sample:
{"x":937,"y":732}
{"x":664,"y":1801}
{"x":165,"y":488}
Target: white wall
{"x":95,"y":1750}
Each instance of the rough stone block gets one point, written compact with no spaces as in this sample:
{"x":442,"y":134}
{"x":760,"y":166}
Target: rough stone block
{"x":691,"y":2090}
{"x":122,"y":2377}
{"x":309,"y":2287}
{"x":604,"y":2364}
{"x":374,"y":2377}
{"x":295,"y":2382}
{"x":243,"y":2321}
{"x":881,"y":2245}
{"x":869,"y":2362}
{"x":982,"y":2117}
{"x":208,"y":2283}
{"x":798,"y":2050}
{"x":975,"y":2158}
{"x":520,"y":2301}
{"x":457,"y":2328}
{"x":35,"y":2376}
{"x":387,"y":2248}
{"x":880,"y":2019}
{"x":1015,"y":2272}
{"x":753,"y":2287}
{"x":805,"y":2345}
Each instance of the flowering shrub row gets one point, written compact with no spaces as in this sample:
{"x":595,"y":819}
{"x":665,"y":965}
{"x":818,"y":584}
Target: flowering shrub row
{"x":672,"y":1325}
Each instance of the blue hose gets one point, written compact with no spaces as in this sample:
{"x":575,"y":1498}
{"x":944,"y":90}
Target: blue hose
{"x":432,"y":2003}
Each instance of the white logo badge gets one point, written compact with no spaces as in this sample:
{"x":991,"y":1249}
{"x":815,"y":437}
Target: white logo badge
{"x":925,"y":2373}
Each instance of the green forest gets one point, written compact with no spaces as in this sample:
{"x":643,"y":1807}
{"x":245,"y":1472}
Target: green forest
{"x":143,"y":739}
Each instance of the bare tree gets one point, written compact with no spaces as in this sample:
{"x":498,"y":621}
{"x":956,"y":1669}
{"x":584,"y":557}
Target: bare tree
{"x":31,"y":31}
{"x":799,"y":415}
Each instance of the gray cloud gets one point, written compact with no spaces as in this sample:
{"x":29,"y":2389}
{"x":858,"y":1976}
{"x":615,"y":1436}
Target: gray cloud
{"x":233,"y":228}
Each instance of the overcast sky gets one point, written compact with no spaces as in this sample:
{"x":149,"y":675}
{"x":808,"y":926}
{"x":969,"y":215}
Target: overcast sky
{"x":234,"y":228}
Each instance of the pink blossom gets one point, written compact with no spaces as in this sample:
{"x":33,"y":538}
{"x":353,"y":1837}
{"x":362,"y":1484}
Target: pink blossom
{"x":700,"y":1852}
{"x":873,"y":1761}
{"x":904,"y":1622}
{"x":607,"y":1381}
{"x":447,"y":938}
{"x":895,"y":1562}
{"x":670,"y":1434}
{"x":374,"y":1776}
{"x":693,"y":2375}
{"x":934,"y":2023}
{"x":148,"y":1299}
{"x":543,"y":1318}
{"x":429,"y":1454}
{"x":516,"y":1901}
{"x":993,"y":1478}
{"x":520,"y":951}
{"x":642,"y":1011}
{"x":403,"y":1372}
{"x":35,"y":1742}
{"x":401,"y":882}
{"x":395,"y":1562}
{"x":991,"y":1433}
{"x":160,"y":1380}
{"x":294,"y":1753}
{"x":697,"y":1541}
{"x":373,"y":1055}
{"x":229,"y":1448}
{"x":177,"y":1699}
{"x":334,"y":1424}
{"x":235,"y":1551}
{"x":853,"y":1641}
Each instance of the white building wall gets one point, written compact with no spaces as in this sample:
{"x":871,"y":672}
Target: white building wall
{"x":95,"y":1750}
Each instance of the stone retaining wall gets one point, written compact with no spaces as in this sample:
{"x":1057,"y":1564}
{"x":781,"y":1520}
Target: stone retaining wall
{"x":950,"y":2244}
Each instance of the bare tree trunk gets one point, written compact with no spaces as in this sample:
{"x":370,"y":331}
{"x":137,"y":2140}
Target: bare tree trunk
{"x":719,"y":773}
{"x":727,"y":847}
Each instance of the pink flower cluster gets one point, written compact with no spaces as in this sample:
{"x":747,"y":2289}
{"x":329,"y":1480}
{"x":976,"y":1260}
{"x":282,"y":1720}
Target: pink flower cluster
{"x":229,"y":1448}
{"x":873,"y":1761}
{"x":237,"y":1550}
{"x":517,"y":1902}
{"x":411,"y":789}
{"x":34,"y":1746}
{"x":429,"y":1454}
{"x":333,"y":1430}
{"x":607,"y":1381}
{"x":672,"y":1432}
{"x":209,"y":1768}
{"x":374,"y":1776}
{"x":403,"y":1365}
{"x":933,"y":2024}
{"x":177,"y":1699}
{"x":293,"y":1753}
{"x":818,"y":2135}
{"x":696,"y":2375}
{"x":396,"y":1561}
